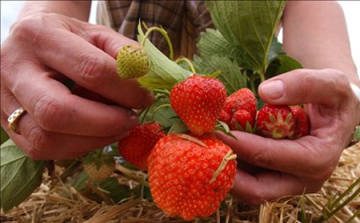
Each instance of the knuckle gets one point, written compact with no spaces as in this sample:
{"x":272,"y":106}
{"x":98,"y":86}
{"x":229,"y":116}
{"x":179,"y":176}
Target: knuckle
{"x":90,"y":70}
{"x":48,"y":113}
{"x":39,"y":142}
{"x":27,"y":28}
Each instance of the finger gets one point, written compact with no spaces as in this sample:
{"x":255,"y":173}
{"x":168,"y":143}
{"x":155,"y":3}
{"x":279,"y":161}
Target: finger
{"x":40,"y":144}
{"x":300,"y":157}
{"x":325,"y":87}
{"x":55,"y":109}
{"x":84,"y":57}
{"x":269,"y":186}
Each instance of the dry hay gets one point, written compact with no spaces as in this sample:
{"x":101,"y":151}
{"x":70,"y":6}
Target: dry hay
{"x":56,"y":202}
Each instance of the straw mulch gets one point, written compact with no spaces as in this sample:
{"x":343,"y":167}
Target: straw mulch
{"x":58,"y":202}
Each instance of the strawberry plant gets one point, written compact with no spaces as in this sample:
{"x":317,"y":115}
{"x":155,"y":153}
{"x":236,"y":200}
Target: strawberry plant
{"x":189,"y":171}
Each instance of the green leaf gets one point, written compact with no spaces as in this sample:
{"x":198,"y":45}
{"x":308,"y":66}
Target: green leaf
{"x":249,"y":25}
{"x":164,"y":73}
{"x":20,"y":175}
{"x":282,"y":64}
{"x":4,"y":136}
{"x":231,"y":75}
{"x":212,"y":43}
{"x":357,"y":134}
{"x":115,"y":191}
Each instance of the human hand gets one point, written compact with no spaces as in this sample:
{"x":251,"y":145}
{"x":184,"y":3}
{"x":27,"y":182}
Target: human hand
{"x":270,"y":168}
{"x":39,"y":55}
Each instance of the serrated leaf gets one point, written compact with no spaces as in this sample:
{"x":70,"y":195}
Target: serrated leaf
{"x":20,"y":175}
{"x":212,"y":43}
{"x":164,"y":73}
{"x":231,"y":75}
{"x":249,"y":25}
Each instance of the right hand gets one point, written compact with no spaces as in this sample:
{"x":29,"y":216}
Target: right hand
{"x":40,"y":53}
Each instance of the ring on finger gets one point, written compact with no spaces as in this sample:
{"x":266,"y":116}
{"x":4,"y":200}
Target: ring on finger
{"x":14,"y":119}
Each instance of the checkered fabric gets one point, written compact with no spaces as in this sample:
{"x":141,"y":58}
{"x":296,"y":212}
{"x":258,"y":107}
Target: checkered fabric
{"x":183,"y":21}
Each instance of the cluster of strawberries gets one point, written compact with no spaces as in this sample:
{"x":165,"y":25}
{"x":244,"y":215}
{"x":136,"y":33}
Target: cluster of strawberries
{"x":190,"y":173}
{"x":274,"y":121}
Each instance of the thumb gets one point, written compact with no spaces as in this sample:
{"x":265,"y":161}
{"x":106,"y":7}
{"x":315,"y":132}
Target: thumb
{"x":327,"y":87}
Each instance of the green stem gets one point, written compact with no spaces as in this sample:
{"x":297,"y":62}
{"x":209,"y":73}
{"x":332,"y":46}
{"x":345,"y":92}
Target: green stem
{"x":158,"y":108}
{"x":163,"y":91}
{"x":348,"y":200}
{"x":188,"y":62}
{"x":352,"y":186}
{"x":164,"y":33}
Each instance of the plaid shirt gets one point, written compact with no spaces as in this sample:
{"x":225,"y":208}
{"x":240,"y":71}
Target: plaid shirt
{"x":183,"y":21}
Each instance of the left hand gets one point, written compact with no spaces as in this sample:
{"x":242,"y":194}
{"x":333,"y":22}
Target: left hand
{"x":291,"y":167}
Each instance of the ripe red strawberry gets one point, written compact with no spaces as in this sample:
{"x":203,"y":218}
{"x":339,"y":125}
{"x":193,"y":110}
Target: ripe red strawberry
{"x":136,"y":147}
{"x":243,"y":99}
{"x":275,"y":121}
{"x":85,"y":93}
{"x":99,"y":170}
{"x":302,"y":124}
{"x":198,"y":101}
{"x":190,"y":175}
{"x":242,"y":120}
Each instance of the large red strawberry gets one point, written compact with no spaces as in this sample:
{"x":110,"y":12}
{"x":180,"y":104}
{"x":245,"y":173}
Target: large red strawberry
{"x":190,"y":175}
{"x":275,"y":121}
{"x":136,"y":147}
{"x":302,"y":124}
{"x":198,"y":101}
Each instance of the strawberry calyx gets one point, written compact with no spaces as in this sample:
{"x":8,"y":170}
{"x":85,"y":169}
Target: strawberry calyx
{"x":278,"y":128}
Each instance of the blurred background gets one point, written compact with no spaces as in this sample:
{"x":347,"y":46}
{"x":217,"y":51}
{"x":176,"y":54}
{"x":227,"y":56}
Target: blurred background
{"x":10,"y":10}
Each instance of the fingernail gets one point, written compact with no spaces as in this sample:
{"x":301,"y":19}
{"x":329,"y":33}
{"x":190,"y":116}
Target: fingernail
{"x":273,"y":89}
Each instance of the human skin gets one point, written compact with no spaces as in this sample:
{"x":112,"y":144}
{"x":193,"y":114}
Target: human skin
{"x":44,"y":49}
{"x":319,"y":40}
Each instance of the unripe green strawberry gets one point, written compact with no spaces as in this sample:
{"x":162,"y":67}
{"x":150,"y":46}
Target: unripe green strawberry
{"x":302,"y":124}
{"x":132,"y":62}
{"x":275,"y":121}
{"x":198,"y":101}
{"x":99,"y":170}
{"x":189,"y":176}
{"x":136,"y":147}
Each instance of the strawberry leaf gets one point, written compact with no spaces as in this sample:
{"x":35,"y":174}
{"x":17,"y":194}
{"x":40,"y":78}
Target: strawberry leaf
{"x":20,"y":175}
{"x":164,"y":73}
{"x":281,"y":64}
{"x":231,"y":75}
{"x":250,"y":26}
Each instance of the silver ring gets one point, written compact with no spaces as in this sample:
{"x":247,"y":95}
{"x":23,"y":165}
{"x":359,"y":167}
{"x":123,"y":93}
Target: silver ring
{"x":14,"y":119}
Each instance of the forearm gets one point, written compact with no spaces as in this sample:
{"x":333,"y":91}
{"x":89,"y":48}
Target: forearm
{"x":315,"y":33}
{"x":76,"y":9}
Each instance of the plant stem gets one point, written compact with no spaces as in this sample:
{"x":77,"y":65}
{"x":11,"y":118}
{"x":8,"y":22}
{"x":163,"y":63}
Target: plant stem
{"x":188,"y":62}
{"x":164,"y":33}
